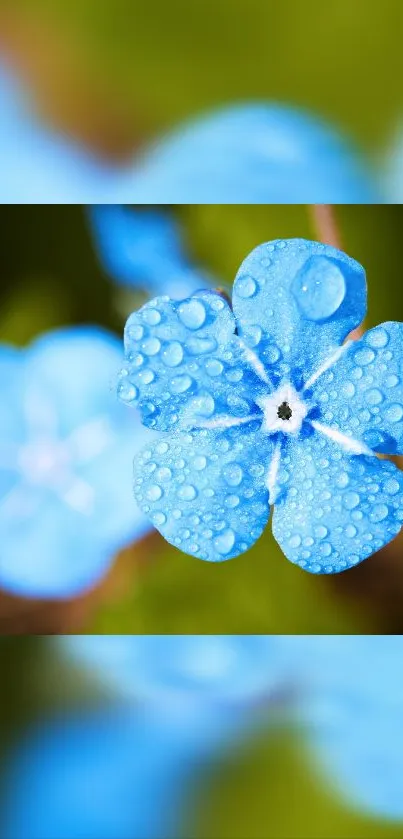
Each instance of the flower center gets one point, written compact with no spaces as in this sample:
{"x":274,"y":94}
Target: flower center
{"x":284,"y":411}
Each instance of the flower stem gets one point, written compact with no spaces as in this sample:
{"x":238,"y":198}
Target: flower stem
{"x":325,"y":224}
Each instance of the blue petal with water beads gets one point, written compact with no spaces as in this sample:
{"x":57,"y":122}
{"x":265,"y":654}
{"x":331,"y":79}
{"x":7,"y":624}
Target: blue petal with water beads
{"x":272,"y":410}
{"x":363,"y":391}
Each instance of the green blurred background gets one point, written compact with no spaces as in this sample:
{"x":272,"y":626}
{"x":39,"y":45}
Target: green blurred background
{"x":50,"y":276}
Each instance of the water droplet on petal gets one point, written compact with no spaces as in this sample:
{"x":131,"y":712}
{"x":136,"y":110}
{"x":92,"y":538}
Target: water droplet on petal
{"x":392,"y":486}
{"x":232,"y":474}
{"x":127,"y":392}
{"x":187,"y":492}
{"x":394,"y":413}
{"x":379,"y":512}
{"x":377,"y":337}
{"x":224,"y":543}
{"x":151,"y":346}
{"x":245,"y":286}
{"x":199,"y":463}
{"x":153,"y":492}
{"x":180,"y":384}
{"x":319,"y":288}
{"x":159,"y":519}
{"x":374,"y":396}
{"x":364,"y":356}
{"x":172,"y":354}
{"x":351,"y":500}
{"x":151,"y":316}
{"x":192,"y":313}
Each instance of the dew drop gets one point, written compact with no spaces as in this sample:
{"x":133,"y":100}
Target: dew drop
{"x":394,"y":412}
{"x":321,"y":531}
{"x":187,"y":492}
{"x":151,"y":346}
{"x":374,"y":396}
{"x":200,"y":463}
{"x":153,"y":492}
{"x":351,"y":531}
{"x":351,"y":500}
{"x":392,"y":381}
{"x":192,"y":313}
{"x":180,"y":384}
{"x":151,"y":316}
{"x":232,"y":501}
{"x":295,"y":541}
{"x":391,"y":486}
{"x":232,"y":474}
{"x":159,"y":519}
{"x":224,"y":543}
{"x":377,"y":337}
{"x":364,"y":356}
{"x":245,"y":286}
{"x":172,"y":354}
{"x":319,"y":288}
{"x":214,"y":367}
{"x":379,"y":513}
{"x":127,"y":392}
{"x":348,"y":389}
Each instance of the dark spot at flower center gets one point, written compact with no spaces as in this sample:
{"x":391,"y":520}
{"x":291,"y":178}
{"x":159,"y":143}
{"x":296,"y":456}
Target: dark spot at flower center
{"x":284,"y":411}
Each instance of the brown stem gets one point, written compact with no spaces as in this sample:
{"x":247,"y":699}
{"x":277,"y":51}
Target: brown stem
{"x":325,"y":224}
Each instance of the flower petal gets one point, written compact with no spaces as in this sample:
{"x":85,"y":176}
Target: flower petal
{"x":295,"y":301}
{"x":338,"y":510}
{"x":183,"y":362}
{"x":352,"y":711}
{"x":74,"y":371}
{"x":249,"y":154}
{"x":362,"y":395}
{"x":143,"y":249}
{"x":206,"y":491}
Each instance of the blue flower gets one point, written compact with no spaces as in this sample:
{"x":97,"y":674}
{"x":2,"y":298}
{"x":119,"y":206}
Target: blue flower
{"x":144,"y":249}
{"x":65,"y":442}
{"x":208,"y":670}
{"x":352,"y":715}
{"x":264,"y":404}
{"x":250,"y":153}
{"x":345,"y":693}
{"x":108,"y":773}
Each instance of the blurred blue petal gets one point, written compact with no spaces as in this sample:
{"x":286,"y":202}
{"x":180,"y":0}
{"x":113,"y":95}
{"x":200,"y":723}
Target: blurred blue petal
{"x":353,"y":714}
{"x":66,"y":447}
{"x":144,"y":249}
{"x":117,"y":774}
{"x":187,"y":670}
{"x":251,"y":153}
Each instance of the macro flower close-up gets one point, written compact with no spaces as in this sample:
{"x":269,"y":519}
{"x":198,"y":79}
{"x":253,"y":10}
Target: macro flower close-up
{"x":64,"y":445}
{"x":266,"y":403}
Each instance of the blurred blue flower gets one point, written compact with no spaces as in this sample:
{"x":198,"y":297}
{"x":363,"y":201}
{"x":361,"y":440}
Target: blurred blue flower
{"x":65,"y":445}
{"x":115,"y":773}
{"x":353,"y":715}
{"x":186,"y":670}
{"x":144,"y":249}
{"x":345,"y":693}
{"x":40,"y":165}
{"x":265,"y":404}
{"x":250,"y":153}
